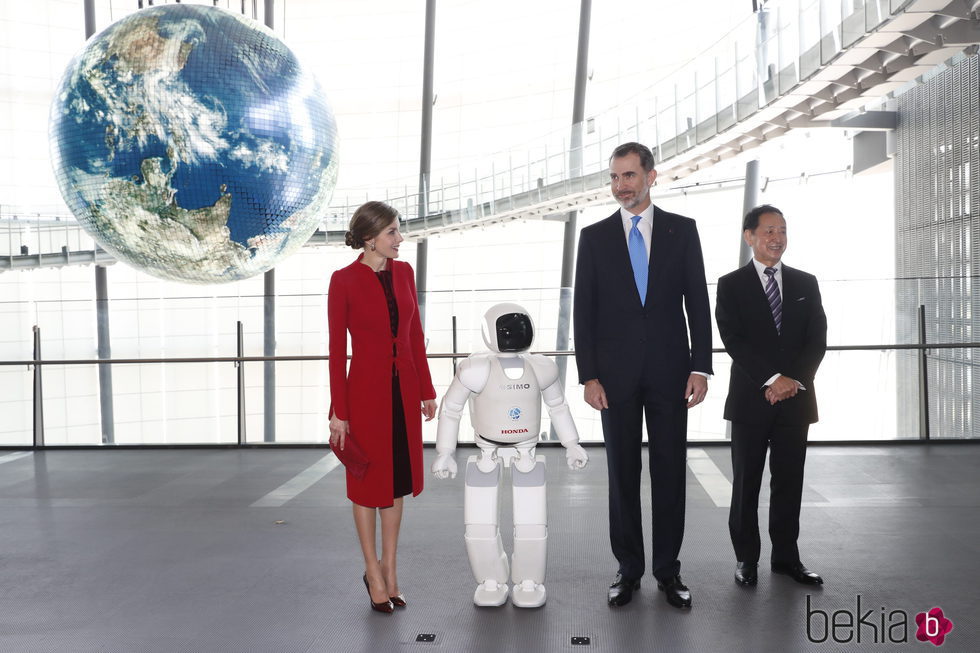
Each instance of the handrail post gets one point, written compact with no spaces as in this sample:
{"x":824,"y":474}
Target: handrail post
{"x":106,"y":412}
{"x":241,"y":384}
{"x":38,"y":392}
{"x":454,"y":345}
{"x":923,"y":378}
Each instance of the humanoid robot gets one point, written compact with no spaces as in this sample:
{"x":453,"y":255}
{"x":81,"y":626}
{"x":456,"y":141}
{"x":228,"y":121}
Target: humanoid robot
{"x":504,"y":387}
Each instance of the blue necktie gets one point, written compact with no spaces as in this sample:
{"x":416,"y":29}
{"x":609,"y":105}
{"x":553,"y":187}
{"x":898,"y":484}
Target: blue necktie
{"x":639,"y":259}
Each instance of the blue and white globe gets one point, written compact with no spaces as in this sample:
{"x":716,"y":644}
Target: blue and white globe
{"x":191,"y":144}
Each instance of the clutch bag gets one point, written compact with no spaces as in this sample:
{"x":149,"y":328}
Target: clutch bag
{"x":352,"y":457}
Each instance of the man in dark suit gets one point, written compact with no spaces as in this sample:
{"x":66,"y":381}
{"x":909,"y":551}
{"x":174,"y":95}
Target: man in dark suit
{"x":638,"y":272}
{"x":774,"y":328}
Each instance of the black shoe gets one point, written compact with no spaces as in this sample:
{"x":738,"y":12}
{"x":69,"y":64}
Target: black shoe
{"x":676,"y":591}
{"x":747,"y":573}
{"x":798,"y":572}
{"x":621,"y":591}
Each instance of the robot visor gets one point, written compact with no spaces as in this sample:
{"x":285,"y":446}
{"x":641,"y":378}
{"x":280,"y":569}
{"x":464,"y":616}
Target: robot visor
{"x":514,"y":332}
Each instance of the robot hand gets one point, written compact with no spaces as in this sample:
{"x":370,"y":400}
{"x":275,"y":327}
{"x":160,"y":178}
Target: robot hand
{"x":444,"y":466}
{"x":576,"y":457}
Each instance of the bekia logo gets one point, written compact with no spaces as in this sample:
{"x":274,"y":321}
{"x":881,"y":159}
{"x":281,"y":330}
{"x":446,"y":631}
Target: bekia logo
{"x":933,"y":626}
{"x":878,"y":626}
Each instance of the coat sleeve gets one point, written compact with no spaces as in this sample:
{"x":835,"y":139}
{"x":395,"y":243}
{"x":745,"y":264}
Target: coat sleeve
{"x":584,"y":313}
{"x":337,"y":329}
{"x":417,"y":340}
{"x":734,"y":334}
{"x":696,"y":305}
{"x":815,"y":343}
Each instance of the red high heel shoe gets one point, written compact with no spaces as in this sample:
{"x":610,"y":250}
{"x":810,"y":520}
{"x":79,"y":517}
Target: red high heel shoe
{"x":384,"y":606}
{"x":397,"y":600}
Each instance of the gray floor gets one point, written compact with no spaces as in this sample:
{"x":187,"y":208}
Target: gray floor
{"x":254,"y":550}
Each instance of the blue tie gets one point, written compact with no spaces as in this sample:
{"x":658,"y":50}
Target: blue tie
{"x":639,"y":259}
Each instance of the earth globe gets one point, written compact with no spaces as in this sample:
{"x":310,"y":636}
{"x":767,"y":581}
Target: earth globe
{"x":190,"y":143}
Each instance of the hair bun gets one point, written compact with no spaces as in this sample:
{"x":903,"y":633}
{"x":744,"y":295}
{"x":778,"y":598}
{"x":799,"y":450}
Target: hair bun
{"x":349,"y":239}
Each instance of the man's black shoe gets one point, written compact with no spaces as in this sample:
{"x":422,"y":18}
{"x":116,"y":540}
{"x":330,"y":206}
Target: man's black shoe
{"x":676,"y":591}
{"x":747,"y":573}
{"x":799,"y":573}
{"x":621,"y":591}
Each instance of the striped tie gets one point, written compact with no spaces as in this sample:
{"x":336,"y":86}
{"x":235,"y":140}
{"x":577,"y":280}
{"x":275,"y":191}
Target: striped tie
{"x":775,"y":301}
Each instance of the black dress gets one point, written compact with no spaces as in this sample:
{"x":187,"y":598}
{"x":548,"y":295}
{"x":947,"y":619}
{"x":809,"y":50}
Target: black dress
{"x":401,"y":463}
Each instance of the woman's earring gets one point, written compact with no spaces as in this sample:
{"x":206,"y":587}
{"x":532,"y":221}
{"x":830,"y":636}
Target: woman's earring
{"x":372,"y":246}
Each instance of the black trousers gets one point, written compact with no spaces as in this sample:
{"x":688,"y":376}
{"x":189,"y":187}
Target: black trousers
{"x":787,"y":456}
{"x":622,"y":431}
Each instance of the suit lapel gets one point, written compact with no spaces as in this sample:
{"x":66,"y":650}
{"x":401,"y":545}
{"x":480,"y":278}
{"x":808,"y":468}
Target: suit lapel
{"x":660,"y":242}
{"x":790,"y":295}
{"x":619,"y":251}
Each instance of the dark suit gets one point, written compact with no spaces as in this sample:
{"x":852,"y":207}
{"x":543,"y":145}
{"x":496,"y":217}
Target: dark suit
{"x":640,"y":355}
{"x":758,"y":352}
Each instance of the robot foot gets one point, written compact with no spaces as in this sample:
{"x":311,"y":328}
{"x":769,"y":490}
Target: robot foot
{"x":529,"y":594}
{"x":490,"y":594}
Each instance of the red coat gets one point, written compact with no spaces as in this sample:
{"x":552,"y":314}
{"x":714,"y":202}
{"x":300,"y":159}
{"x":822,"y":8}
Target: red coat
{"x":356,"y":303}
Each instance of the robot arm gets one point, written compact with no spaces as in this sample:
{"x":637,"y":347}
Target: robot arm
{"x":471,"y":376}
{"x":561,"y":415}
{"x":450,"y":412}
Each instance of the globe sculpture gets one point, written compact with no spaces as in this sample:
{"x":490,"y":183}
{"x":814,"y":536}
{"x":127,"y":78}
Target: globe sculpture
{"x":191,"y":144}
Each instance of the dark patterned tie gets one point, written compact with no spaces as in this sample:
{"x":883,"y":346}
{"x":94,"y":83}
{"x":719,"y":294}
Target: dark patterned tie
{"x":775,"y":301}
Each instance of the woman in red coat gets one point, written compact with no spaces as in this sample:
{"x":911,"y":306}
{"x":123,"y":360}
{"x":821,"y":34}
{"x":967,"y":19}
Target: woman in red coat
{"x":380,"y":402}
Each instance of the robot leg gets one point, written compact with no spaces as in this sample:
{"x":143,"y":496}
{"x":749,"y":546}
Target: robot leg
{"x":481,"y":513}
{"x":530,"y":536}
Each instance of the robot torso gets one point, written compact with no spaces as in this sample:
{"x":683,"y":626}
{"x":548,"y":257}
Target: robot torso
{"x":507,"y":411}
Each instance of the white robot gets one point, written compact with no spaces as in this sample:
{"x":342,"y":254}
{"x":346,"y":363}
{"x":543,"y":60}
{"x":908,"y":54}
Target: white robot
{"x":505,"y":387}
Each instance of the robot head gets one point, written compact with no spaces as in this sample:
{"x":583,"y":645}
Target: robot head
{"x":507,"y":328}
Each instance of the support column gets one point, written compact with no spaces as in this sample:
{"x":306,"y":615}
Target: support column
{"x":102,"y":307}
{"x":425,"y":157}
{"x":269,"y":321}
{"x":575,"y":170}
{"x":89,"y":18}
{"x":750,"y":200}
{"x":269,"y":21}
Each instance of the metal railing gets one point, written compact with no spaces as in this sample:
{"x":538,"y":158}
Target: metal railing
{"x":37,"y":363}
